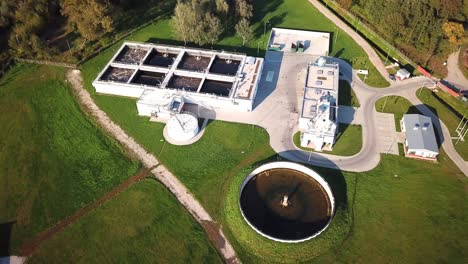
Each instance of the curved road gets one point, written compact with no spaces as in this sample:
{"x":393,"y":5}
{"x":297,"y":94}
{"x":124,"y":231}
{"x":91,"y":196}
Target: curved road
{"x":369,"y":156}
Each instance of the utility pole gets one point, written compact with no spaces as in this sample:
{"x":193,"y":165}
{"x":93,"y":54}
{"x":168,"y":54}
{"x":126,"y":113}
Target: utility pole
{"x":264,"y":27}
{"x":336,"y":30}
{"x":388,"y":52}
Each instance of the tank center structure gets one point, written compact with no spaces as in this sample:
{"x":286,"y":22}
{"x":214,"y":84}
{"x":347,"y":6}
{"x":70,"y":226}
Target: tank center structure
{"x":286,"y":202}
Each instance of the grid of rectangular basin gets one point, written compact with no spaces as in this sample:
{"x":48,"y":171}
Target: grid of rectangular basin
{"x":160,"y":58}
{"x":219,"y":88}
{"x":149,"y":78}
{"x":194,"y":62}
{"x":226,"y":66}
{"x":131,"y":55}
{"x":117,"y":74}
{"x":184,"y":83}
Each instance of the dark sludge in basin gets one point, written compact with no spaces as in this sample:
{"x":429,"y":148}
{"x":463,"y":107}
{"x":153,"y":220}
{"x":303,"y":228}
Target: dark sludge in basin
{"x":286,"y":205}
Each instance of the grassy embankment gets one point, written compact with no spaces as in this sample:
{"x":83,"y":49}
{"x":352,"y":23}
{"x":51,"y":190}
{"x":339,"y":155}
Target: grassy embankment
{"x":54,"y":161}
{"x":448,"y":110}
{"x":348,"y":142}
{"x":396,"y":105}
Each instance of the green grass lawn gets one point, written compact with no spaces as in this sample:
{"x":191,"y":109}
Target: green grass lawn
{"x":404,"y":211}
{"x":53,"y":160}
{"x":396,"y":105}
{"x":348,"y":142}
{"x":144,"y":224}
{"x":455,"y":103}
{"x":203,"y":167}
{"x":347,"y":96}
{"x":446,"y":114}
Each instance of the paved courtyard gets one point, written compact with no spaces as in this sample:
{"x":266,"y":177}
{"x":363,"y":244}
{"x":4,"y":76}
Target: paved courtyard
{"x":387,"y":138}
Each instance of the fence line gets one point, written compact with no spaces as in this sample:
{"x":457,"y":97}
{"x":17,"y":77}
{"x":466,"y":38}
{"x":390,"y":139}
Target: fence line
{"x":46,"y":62}
{"x":357,"y":23}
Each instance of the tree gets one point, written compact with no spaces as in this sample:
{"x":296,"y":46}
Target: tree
{"x":244,"y":30}
{"x":244,"y":9}
{"x":454,"y":32}
{"x":183,"y":21}
{"x":213,"y":28}
{"x":92,"y":18}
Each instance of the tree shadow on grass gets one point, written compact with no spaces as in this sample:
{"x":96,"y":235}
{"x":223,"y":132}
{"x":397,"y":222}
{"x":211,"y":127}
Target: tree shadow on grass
{"x":5,"y":237}
{"x":181,"y":44}
{"x":265,"y":27}
{"x":263,"y":7}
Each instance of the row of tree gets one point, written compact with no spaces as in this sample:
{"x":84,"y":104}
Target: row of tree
{"x":421,"y":29}
{"x":26,"y":25}
{"x":205,"y":21}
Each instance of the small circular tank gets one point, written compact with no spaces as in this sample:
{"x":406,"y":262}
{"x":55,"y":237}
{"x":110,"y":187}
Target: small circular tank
{"x":182,"y":127}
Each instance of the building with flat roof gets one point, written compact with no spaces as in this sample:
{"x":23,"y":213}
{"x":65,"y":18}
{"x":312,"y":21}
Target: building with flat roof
{"x":302,"y":41}
{"x":318,"y":121}
{"x":164,"y":78}
{"x":420,"y":141}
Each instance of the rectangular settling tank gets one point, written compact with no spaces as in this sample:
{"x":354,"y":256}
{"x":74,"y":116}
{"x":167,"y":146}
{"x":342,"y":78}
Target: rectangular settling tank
{"x":216,"y":87}
{"x":115,"y":74}
{"x":131,"y":55}
{"x":160,"y":58}
{"x":184,"y":83}
{"x":191,"y":62}
{"x":149,"y":78}
{"x":226,"y":66}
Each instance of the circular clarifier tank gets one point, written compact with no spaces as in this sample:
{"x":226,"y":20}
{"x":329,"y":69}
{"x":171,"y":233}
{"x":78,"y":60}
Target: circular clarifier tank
{"x":286,"y":202}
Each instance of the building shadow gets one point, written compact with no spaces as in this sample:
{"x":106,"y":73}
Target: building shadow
{"x":5,"y":238}
{"x":269,"y":77}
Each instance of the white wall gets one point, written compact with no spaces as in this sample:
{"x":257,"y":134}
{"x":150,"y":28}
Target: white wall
{"x":116,"y":89}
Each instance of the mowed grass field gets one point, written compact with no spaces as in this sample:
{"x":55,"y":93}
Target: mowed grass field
{"x":205,"y":166}
{"x":448,"y":116}
{"x":53,"y":160}
{"x":396,"y":105}
{"x":144,"y":224}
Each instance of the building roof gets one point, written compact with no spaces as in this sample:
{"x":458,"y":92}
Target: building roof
{"x":420,"y":133}
{"x":320,"y":100}
{"x":403,"y":72}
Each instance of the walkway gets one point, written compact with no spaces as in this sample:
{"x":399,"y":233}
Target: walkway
{"x":455,"y":75}
{"x":373,"y":57}
{"x":215,"y":234}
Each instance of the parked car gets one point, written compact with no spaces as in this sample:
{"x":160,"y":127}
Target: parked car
{"x":392,"y":77}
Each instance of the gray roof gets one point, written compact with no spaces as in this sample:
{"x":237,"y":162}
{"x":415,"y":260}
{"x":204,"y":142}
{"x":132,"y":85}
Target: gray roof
{"x":420,"y":132}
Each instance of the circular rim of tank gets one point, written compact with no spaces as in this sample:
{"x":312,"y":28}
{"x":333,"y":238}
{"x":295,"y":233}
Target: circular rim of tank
{"x":186,"y":135}
{"x":293,"y":166}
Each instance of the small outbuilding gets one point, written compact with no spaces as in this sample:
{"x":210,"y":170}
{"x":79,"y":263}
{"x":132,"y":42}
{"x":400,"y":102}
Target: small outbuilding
{"x":420,"y":141}
{"x":402,"y":74}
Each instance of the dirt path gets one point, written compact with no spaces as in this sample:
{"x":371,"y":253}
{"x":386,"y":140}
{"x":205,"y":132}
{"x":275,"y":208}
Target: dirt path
{"x":30,"y":246}
{"x":215,"y":234}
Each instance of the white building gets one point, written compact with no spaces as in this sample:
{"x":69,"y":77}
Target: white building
{"x":402,"y":74}
{"x":165,"y":78}
{"x":420,"y":139}
{"x":319,"y":114}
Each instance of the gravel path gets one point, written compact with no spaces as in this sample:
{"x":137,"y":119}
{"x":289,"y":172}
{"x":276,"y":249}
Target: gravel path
{"x":455,"y":75}
{"x":215,"y":234}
